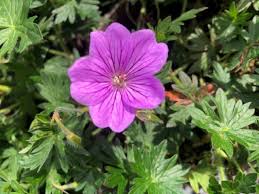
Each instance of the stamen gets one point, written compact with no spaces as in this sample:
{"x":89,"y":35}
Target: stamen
{"x":119,"y":80}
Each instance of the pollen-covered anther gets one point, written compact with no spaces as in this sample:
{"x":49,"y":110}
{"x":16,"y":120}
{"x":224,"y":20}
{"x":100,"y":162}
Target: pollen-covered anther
{"x":119,"y":80}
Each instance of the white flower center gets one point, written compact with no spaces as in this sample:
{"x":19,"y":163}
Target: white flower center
{"x":119,"y":80}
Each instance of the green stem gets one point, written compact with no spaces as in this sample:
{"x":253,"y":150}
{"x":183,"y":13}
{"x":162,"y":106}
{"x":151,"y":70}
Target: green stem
{"x":222,"y":174}
{"x":58,"y":53}
{"x":157,"y":10}
{"x":184,"y":5}
{"x":8,"y":109}
{"x":237,"y":165}
{"x":69,"y":186}
{"x":175,"y":79}
{"x":5,"y":89}
{"x":220,"y":164}
{"x":69,"y":134}
{"x":4,"y":61}
{"x":110,"y":137}
{"x":96,"y":131}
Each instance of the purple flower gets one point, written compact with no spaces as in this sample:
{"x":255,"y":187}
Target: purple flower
{"x":117,"y":77}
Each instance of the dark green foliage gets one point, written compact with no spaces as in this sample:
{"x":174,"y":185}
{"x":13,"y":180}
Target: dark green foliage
{"x":151,"y":171}
{"x":226,"y":120}
{"x":241,"y":184}
{"x":15,"y":25}
{"x":204,"y":136}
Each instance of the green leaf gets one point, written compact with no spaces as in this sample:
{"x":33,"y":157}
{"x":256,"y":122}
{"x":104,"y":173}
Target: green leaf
{"x":39,"y":154}
{"x":241,"y":184}
{"x":155,"y":174}
{"x":254,"y":151}
{"x":222,"y":141}
{"x":201,"y":49}
{"x":148,"y":116}
{"x":253,"y":29}
{"x":10,"y":163}
{"x":256,"y":5}
{"x":181,"y":115}
{"x":89,"y":9}
{"x":166,"y":28}
{"x":65,"y":12}
{"x":9,"y":184}
{"x":178,"y":22}
{"x":164,"y":74}
{"x":15,"y":26}
{"x":46,"y":144}
{"x":214,"y":186}
{"x":69,"y":10}
{"x":220,"y":75}
{"x":61,"y":154}
{"x":201,"y":176}
{"x":116,"y":178}
{"x":226,"y":121}
{"x":138,"y":135}
{"x":37,"y":3}
{"x":54,"y":83}
{"x":147,"y":170}
{"x":53,"y":178}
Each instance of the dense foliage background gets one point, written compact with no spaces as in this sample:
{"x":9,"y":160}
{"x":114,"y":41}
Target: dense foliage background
{"x":204,"y":138}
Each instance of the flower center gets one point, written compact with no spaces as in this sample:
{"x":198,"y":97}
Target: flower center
{"x":119,"y":80}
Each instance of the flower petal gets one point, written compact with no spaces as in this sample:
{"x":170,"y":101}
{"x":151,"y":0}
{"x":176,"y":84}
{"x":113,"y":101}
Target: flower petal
{"x":110,"y":46}
{"x":113,"y":113}
{"x":90,"y":93}
{"x":122,"y":115}
{"x":100,"y":49}
{"x":143,"y":92}
{"x":89,"y":69}
{"x":118,"y":31}
{"x":90,"y":81}
{"x":148,"y":56}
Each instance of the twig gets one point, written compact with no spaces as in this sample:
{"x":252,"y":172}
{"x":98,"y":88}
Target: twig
{"x":58,"y":53}
{"x":184,"y":5}
{"x":110,"y":14}
{"x":157,"y":10}
{"x":129,"y":15}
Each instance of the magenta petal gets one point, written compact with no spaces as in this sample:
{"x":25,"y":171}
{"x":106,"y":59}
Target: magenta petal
{"x":148,"y":56}
{"x":122,"y":115}
{"x":118,"y":37}
{"x":100,"y":49}
{"x":89,"y":93}
{"x":112,"y":113}
{"x":151,"y":62}
{"x":110,"y":46}
{"x":144,"y":93}
{"x":90,"y":81}
{"x":89,"y":69}
{"x":118,"y":31}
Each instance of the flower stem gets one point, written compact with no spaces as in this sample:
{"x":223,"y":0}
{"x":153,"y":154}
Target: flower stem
{"x":5,"y":89}
{"x":4,"y":61}
{"x":58,"y":53}
{"x":96,"y":131}
{"x":63,"y":188}
{"x":184,"y":6}
{"x":69,"y":134}
{"x":220,"y":155}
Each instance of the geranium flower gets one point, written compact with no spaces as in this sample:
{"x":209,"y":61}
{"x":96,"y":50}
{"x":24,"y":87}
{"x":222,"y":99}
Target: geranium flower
{"x":117,"y":77}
